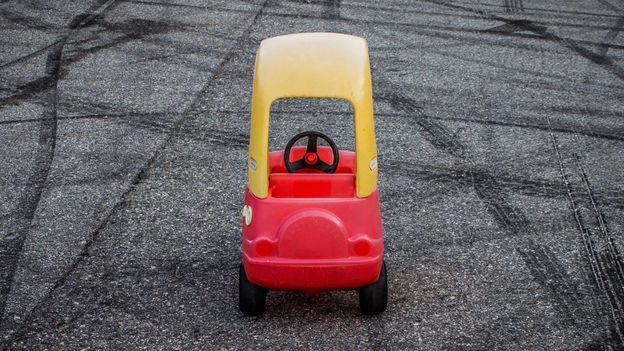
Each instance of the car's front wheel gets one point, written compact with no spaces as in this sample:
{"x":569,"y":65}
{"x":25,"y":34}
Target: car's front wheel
{"x":374,"y":297}
{"x":251,"y":298}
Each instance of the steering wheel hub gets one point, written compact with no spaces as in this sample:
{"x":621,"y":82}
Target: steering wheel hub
{"x":311,"y":158}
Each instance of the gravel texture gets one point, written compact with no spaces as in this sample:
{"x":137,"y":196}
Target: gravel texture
{"x":124,"y":126}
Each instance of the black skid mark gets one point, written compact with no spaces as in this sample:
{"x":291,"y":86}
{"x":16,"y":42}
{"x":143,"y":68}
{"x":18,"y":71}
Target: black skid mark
{"x":608,"y":264}
{"x":507,"y":216}
{"x":30,"y":89}
{"x":574,"y":45}
{"x":27,"y":56}
{"x":464,"y":177}
{"x":26,"y":21}
{"x":518,"y":26}
{"x":433,"y":132}
{"x":611,"y":35}
{"x":142,"y":175}
{"x":527,"y":123}
{"x":513,"y":6}
{"x":12,"y":246}
{"x":549,"y":273}
{"x":130,"y":30}
{"x":224,"y":137}
{"x":615,"y":258}
{"x":543,"y":264}
{"x":602,"y":260}
{"x":331,"y":9}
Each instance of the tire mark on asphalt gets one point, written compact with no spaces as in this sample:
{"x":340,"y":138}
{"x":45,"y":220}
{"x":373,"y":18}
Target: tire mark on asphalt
{"x":544,"y":266}
{"x":611,"y":35}
{"x":513,"y":6}
{"x":548,"y":272}
{"x":603,"y":61}
{"x":611,"y":265}
{"x":141,"y":175}
{"x":331,"y":9}
{"x":558,"y":284}
{"x":537,"y":10}
{"x":117,"y":285}
{"x":542,"y":263}
{"x":152,"y":122}
{"x":448,"y":32}
{"x":134,"y":29}
{"x":26,"y":21}
{"x":507,"y":216}
{"x":614,"y":256}
{"x":607,"y":90}
{"x":604,"y":271}
{"x":513,"y":26}
{"x":27,"y":205}
{"x":536,"y":74}
{"x":609,"y":5}
{"x":28,"y":56}
{"x":434,"y":132}
{"x":131,"y":30}
{"x":435,"y":28}
{"x":501,"y":181}
{"x":32,"y":88}
{"x":584,"y":111}
{"x":403,"y":8}
{"x":481,"y":41}
{"x":607,"y":134}
{"x":392,"y":9}
{"x":225,"y":137}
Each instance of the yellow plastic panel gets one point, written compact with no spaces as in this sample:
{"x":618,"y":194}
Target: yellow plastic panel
{"x":313,"y":65}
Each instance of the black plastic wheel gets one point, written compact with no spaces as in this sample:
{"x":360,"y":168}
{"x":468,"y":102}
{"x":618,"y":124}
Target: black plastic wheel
{"x":374,"y":297}
{"x":251,"y":298}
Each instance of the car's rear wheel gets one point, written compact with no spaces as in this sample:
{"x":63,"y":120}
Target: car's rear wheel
{"x":374,"y":297}
{"x":251,"y":298}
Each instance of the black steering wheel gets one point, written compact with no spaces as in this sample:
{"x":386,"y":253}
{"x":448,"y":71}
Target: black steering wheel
{"x":311,"y":157}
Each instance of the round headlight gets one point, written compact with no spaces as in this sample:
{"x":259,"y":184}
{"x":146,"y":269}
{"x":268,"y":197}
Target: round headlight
{"x":247,"y":214}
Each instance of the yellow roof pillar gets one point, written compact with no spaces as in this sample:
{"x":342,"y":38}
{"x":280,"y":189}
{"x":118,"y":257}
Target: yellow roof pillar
{"x":313,"y":65}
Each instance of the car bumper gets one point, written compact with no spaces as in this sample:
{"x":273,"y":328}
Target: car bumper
{"x":312,"y":274}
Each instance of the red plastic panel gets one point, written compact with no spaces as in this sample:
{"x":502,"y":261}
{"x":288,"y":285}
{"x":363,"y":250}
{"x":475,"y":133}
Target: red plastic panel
{"x":313,"y":243}
{"x":311,"y":185}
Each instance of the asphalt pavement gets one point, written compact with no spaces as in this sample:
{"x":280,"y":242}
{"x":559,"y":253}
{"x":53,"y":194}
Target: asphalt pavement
{"x":124,"y":128}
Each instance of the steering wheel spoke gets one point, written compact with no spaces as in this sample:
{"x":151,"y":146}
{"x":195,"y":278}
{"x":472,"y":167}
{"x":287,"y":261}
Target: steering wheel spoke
{"x":312,"y":143}
{"x":323,"y":166}
{"x":299,"y":164}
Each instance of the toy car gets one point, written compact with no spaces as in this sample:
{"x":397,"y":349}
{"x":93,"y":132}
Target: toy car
{"x":311,"y":218}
